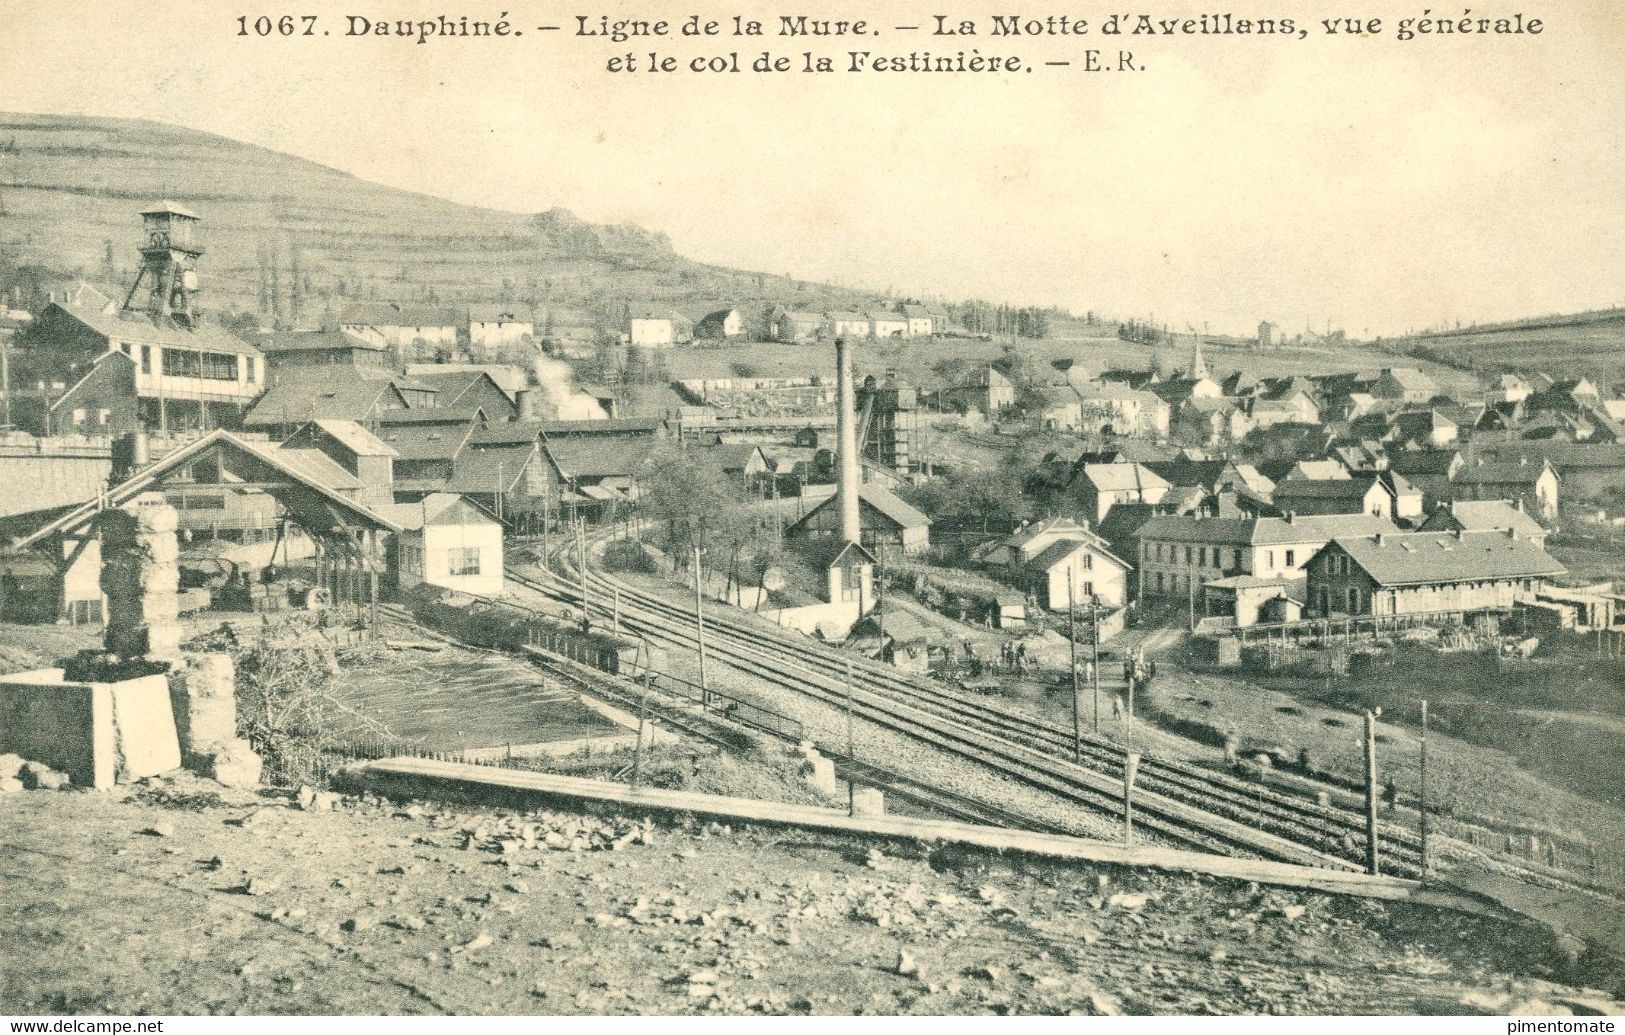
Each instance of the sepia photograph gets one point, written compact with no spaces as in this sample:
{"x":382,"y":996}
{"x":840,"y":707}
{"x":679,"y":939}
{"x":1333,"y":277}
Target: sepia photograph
{"x":737,"y":511}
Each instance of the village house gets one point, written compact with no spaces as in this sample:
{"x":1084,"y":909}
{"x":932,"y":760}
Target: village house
{"x":491,"y":326}
{"x":1484,"y":516}
{"x":1426,"y":429}
{"x":1052,"y":558}
{"x":888,"y":524}
{"x":1059,"y":409}
{"x":1430,"y":470}
{"x":987,"y":390}
{"x":1532,"y":483}
{"x":1418,"y":573}
{"x":841,"y":324}
{"x":403,"y":326}
{"x":796,"y":327}
{"x":1404,"y":384}
{"x":888,"y":325}
{"x":1507,"y":388}
{"x":657,"y":330}
{"x":921,"y":322}
{"x":1099,"y":487}
{"x":721,"y":325}
{"x":1179,"y":554}
{"x":1116,"y":409}
{"x":287,"y":349}
{"x":1296,"y":408}
{"x":1364,"y":494}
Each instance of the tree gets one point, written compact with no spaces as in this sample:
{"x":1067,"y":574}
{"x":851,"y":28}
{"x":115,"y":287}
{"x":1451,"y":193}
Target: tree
{"x":695,"y":502}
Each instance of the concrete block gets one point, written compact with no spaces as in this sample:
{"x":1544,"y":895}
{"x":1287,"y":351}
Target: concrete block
{"x":869,"y":801}
{"x":203,"y":697}
{"x":96,"y":733}
{"x":818,"y":773}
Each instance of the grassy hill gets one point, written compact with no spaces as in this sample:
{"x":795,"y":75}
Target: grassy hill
{"x":1589,"y":344}
{"x":71,"y":185}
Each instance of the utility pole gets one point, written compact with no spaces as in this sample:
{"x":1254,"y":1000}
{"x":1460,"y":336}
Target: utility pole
{"x":1423,"y":807}
{"x":851,"y":748}
{"x":581,"y":553}
{"x":699,"y":623}
{"x":617,"y":610}
{"x":643,"y":709}
{"x":1131,"y":768}
{"x":1072,"y":642}
{"x":1371,"y":861}
{"x":1094,"y":653}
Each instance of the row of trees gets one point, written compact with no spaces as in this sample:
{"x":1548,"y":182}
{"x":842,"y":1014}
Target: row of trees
{"x":986,"y":318}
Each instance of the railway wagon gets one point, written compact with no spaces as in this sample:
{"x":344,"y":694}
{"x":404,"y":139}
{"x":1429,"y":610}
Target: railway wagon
{"x":494,"y":623}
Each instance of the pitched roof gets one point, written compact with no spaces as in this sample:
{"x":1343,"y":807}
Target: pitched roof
{"x":1422,"y":461}
{"x":1419,"y":558}
{"x":354,"y":437}
{"x":426,"y":441}
{"x":1122,"y":477}
{"x":891,"y":505}
{"x":1323,"y":489}
{"x":206,"y":336}
{"x":279,"y":342}
{"x":483,"y":470}
{"x":1482,"y":516}
{"x":1059,"y":551}
{"x":394,"y":314}
{"x":303,"y":394}
{"x":506,"y":312}
{"x":311,"y":465}
{"x":597,"y":457}
{"x":1501,"y":472}
{"x":430,"y":415}
{"x":1268,"y":531}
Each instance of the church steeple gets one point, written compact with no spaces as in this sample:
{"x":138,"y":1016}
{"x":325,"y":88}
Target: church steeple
{"x":1198,"y":367}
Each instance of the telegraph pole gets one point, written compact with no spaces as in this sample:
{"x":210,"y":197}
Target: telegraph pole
{"x":581,"y":552}
{"x":1094,"y":656}
{"x":643,"y":709}
{"x":851,"y":749}
{"x":699,"y":623}
{"x":1131,"y":768}
{"x":1423,"y":807}
{"x":1371,"y":861}
{"x":1072,"y":642}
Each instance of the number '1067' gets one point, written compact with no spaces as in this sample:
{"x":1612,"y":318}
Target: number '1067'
{"x":287,"y":25}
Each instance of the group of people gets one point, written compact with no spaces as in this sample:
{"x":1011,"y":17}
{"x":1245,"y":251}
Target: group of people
{"x":1013,"y":657}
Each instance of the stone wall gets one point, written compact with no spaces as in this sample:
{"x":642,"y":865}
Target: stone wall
{"x":141,"y":580}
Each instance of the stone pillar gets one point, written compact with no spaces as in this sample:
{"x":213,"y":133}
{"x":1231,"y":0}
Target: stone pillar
{"x":203,"y":694}
{"x":141,"y":580}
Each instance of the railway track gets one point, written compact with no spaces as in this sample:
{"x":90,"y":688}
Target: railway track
{"x":1195,"y":815}
{"x":675,"y":715}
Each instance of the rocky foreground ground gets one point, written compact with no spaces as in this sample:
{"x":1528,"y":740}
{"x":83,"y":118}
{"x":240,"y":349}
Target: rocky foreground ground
{"x":179,"y":897}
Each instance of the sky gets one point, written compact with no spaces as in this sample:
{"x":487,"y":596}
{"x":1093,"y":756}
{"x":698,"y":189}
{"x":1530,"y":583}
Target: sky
{"x":1365,"y":183}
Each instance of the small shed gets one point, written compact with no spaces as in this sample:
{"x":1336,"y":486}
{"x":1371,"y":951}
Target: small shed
{"x":447,"y":541}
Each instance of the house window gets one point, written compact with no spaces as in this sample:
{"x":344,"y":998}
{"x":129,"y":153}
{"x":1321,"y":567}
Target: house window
{"x":463,"y":560}
{"x":1291,"y":557}
{"x":1187,"y":555}
{"x":102,"y":416}
{"x":1354,"y":601}
{"x":1201,"y":556}
{"x":411,"y":559}
{"x":146,"y":359}
{"x":1269,"y":559}
{"x":1088,"y":589}
{"x":79,"y":415}
{"x":249,"y":373}
{"x":1159,"y":551}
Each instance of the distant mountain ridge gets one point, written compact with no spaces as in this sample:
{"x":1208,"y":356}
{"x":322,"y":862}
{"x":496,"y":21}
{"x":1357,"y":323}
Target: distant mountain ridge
{"x":285,"y":233}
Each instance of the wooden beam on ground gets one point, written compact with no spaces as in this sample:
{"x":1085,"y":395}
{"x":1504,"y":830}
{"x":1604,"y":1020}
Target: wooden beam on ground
{"x":514,"y":788}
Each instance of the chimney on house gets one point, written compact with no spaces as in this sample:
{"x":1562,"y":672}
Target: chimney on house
{"x":846,"y":459}
{"x":1291,"y":517}
{"x":1382,"y":540}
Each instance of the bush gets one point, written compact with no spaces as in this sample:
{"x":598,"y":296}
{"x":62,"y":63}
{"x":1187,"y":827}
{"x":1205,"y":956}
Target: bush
{"x":628,"y":555}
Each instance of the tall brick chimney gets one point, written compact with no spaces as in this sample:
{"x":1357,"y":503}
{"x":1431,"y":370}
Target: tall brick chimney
{"x":847,"y":468}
